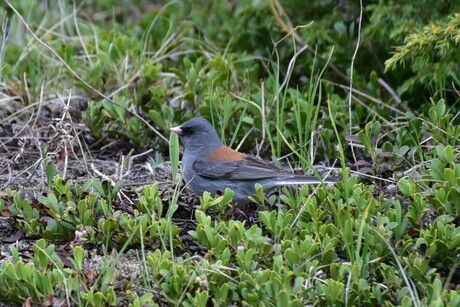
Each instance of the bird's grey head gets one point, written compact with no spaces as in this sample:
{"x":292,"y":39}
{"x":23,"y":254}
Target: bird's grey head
{"x":198,"y":136}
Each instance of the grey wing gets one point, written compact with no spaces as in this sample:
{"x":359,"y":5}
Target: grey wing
{"x":249,"y":168}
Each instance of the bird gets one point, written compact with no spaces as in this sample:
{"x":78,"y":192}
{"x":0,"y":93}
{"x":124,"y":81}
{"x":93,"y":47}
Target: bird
{"x":208,"y":165}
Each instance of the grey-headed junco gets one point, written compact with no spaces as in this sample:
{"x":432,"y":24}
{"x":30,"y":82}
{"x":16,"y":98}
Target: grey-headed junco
{"x":208,"y":165}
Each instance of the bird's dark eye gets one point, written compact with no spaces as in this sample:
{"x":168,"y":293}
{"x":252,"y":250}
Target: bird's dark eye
{"x":188,"y":130}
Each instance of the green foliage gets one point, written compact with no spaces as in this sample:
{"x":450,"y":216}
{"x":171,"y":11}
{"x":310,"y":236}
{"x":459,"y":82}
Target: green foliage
{"x":219,"y":203}
{"x":315,"y":246}
{"x":44,"y":277}
{"x":90,"y":208}
{"x":283,"y":266}
{"x":390,"y":148}
{"x":431,"y":55}
{"x":146,"y":299}
{"x":394,"y":240}
{"x":425,"y":42}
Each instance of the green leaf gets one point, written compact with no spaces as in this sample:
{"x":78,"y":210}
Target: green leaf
{"x":174,"y":154}
{"x":79,"y":257}
{"x":97,"y":185}
{"x":437,"y":169}
{"x":406,"y":186}
{"x":449,"y":154}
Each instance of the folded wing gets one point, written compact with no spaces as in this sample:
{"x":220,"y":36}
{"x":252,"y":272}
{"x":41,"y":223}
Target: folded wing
{"x":249,"y":168}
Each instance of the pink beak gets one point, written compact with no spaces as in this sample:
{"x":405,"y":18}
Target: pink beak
{"x":176,"y":130}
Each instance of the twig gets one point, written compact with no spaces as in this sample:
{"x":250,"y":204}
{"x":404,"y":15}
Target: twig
{"x":79,"y":34}
{"x":350,"y":115}
{"x":264,"y":121}
{"x":365,"y":95}
{"x":389,"y":90}
{"x":110,"y":180}
{"x":244,"y":138}
{"x":292,"y":31}
{"x":289,"y":71}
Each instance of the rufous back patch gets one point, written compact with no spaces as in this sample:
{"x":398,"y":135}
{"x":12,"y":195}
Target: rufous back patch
{"x":225,"y":154}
